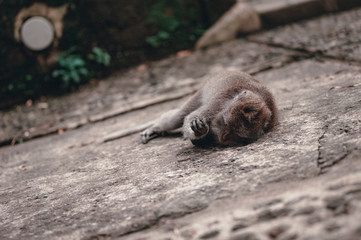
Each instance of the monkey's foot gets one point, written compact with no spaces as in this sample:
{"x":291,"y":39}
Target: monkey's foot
{"x":149,"y":134}
{"x":199,"y":127}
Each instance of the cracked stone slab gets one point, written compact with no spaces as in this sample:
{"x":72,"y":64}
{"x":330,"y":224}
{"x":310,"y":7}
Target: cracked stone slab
{"x":63,"y":186}
{"x":337,"y":35}
{"x":325,"y":207}
{"x":167,"y":79}
{"x":340,"y":131}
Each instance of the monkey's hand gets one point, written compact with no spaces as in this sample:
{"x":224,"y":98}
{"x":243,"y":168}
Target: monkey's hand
{"x":148,"y":134}
{"x":197,"y":128}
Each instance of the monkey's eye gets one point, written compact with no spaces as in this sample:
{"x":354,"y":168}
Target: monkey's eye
{"x":248,"y":110}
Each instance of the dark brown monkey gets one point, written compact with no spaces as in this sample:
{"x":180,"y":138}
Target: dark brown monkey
{"x":231,"y":108}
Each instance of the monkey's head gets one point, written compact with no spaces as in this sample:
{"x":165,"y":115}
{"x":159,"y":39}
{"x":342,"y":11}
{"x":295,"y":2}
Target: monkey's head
{"x":243,"y":120}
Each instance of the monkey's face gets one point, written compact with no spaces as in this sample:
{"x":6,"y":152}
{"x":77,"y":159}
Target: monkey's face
{"x":243,"y":121}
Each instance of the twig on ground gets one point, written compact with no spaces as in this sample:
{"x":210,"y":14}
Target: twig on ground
{"x":348,"y":86}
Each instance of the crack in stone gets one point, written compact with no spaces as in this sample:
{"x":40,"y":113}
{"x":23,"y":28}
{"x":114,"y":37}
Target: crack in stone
{"x":320,"y":158}
{"x":328,"y":164}
{"x":322,"y":162}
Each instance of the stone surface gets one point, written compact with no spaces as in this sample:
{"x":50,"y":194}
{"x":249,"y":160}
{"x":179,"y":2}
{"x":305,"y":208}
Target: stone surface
{"x":81,"y":189}
{"x":286,"y":222}
{"x":335,"y":35}
{"x":300,"y":181}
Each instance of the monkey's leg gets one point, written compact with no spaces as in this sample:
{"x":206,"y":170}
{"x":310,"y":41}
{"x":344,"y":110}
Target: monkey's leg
{"x":171,"y":120}
{"x":167,"y":121}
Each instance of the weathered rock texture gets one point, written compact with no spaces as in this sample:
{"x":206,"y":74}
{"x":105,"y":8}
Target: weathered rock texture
{"x":300,"y":181}
{"x":334,"y":36}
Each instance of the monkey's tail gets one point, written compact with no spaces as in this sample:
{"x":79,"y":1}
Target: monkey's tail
{"x":126,"y":132}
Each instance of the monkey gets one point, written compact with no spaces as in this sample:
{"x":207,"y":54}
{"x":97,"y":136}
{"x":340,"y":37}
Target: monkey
{"x":231,"y":108}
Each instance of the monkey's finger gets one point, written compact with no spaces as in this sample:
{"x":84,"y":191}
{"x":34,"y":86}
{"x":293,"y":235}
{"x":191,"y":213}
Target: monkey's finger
{"x":194,"y":125}
{"x":202,"y":122}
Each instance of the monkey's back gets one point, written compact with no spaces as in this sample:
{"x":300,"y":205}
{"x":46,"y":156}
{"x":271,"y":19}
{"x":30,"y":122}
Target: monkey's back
{"x":229,"y":83}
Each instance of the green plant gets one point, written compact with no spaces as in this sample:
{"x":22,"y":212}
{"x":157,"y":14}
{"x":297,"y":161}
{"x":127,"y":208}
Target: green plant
{"x":22,"y":83}
{"x":172,"y":27}
{"x":158,"y":40}
{"x":72,"y":69}
{"x":167,"y":23}
{"x":100,"y":56}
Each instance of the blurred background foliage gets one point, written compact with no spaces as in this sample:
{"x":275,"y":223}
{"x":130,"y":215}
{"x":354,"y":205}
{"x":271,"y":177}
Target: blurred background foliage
{"x":99,"y":37}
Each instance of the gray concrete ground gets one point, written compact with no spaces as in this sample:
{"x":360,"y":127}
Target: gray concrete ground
{"x":300,"y":181}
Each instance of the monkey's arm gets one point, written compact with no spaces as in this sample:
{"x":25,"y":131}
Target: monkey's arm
{"x":197,"y":125}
